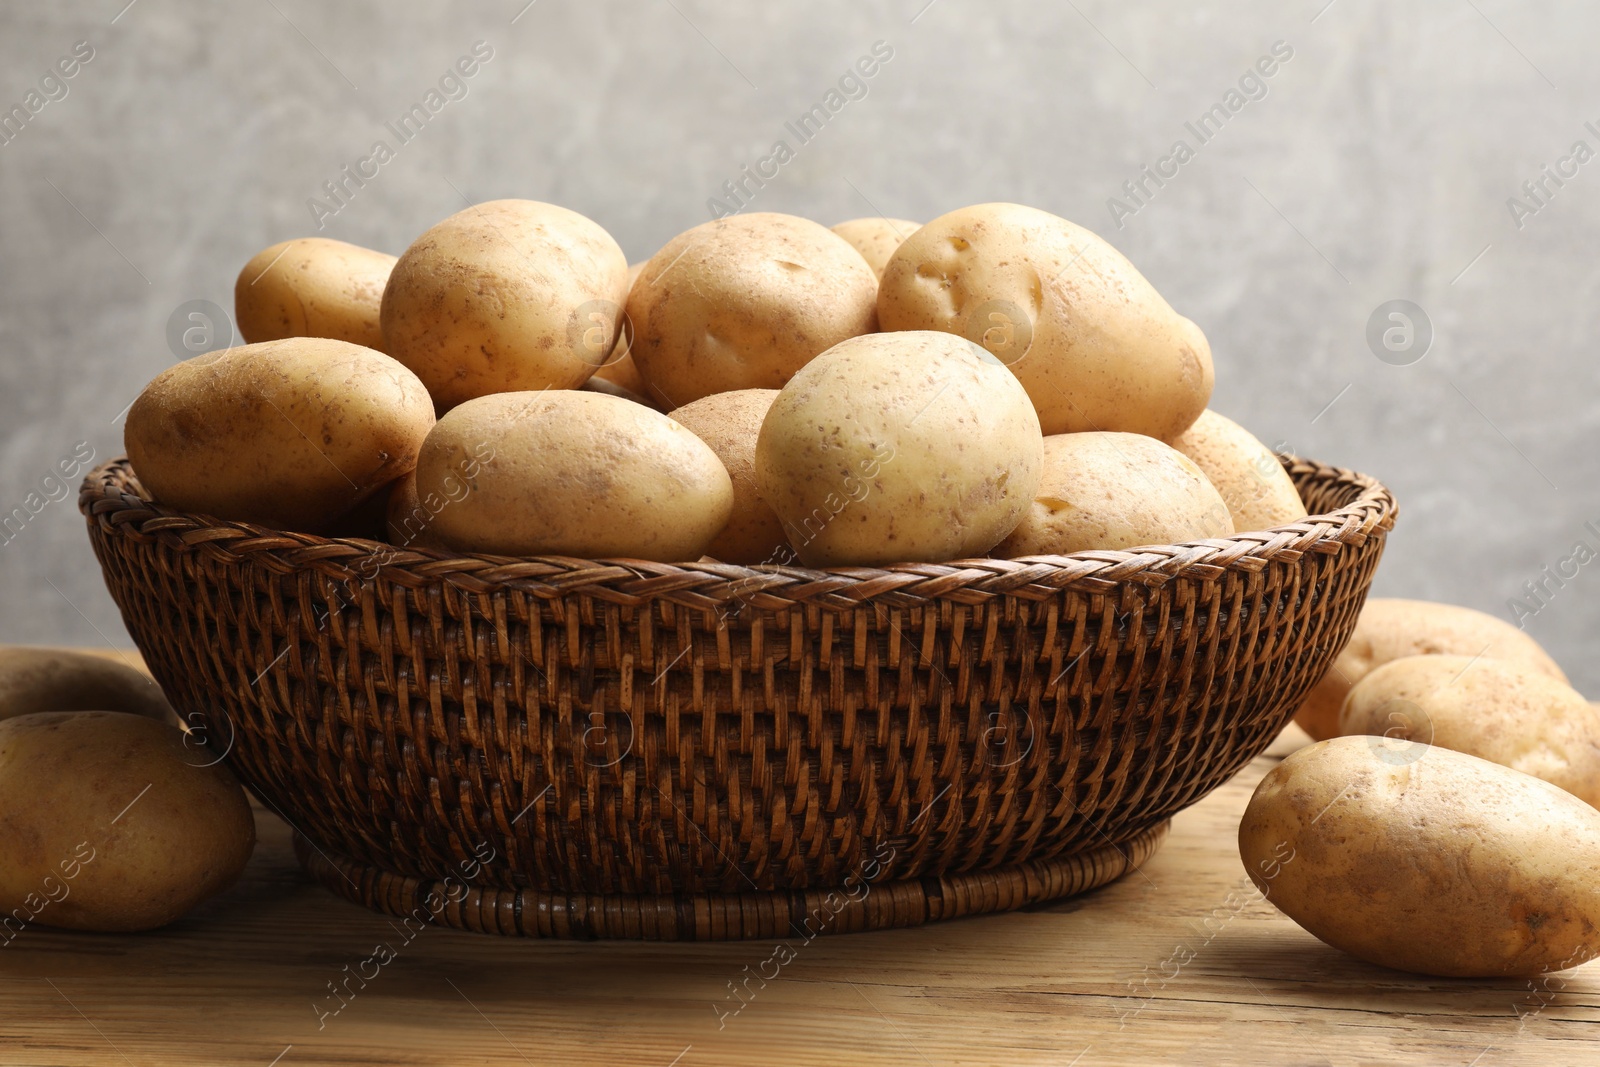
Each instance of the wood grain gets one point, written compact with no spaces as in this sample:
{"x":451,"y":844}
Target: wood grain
{"x":1093,"y":980}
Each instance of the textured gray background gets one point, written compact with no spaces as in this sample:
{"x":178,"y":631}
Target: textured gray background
{"x":1377,"y":167}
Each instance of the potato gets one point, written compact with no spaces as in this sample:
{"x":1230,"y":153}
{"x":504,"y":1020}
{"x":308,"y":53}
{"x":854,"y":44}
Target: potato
{"x":899,"y":447}
{"x":1092,"y":341}
{"x":1501,"y":711}
{"x":572,"y":473}
{"x":507,"y":295}
{"x":619,"y":368}
{"x":114,"y":823}
{"x":1115,"y":491}
{"x":1258,"y":491}
{"x":730,"y":424}
{"x":1427,"y":860}
{"x":312,"y":287}
{"x":743,"y":303}
{"x":408,"y":521}
{"x":59,"y":679}
{"x":1389,"y":629}
{"x":876,"y":238}
{"x":292,"y":434}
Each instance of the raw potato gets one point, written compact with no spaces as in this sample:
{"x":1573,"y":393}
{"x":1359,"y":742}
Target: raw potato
{"x":619,"y":368}
{"x":899,"y":447}
{"x":743,"y":303}
{"x":730,"y":424}
{"x":59,"y":679}
{"x":1115,"y":491}
{"x":312,"y":287}
{"x":1427,"y":860}
{"x":291,"y":434}
{"x":1504,"y":712}
{"x":1389,"y":629}
{"x":572,"y":473}
{"x":125,"y":827}
{"x":1091,"y":340}
{"x":876,"y":238}
{"x":408,"y":520}
{"x":507,"y":295}
{"x":1258,"y":491}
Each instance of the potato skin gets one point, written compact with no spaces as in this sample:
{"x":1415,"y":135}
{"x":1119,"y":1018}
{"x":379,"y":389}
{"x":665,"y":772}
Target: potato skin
{"x":1498,"y":710}
{"x":83,"y":837}
{"x":312,"y":287}
{"x":1427,"y":860}
{"x":1258,"y":491}
{"x":503,"y":296}
{"x":743,"y":303}
{"x":1391,"y":628}
{"x":876,"y":238}
{"x":573,"y":473}
{"x":619,"y":368}
{"x":1091,"y":340}
{"x":731,"y":423}
{"x":292,"y":434}
{"x":1115,"y":491}
{"x":34,"y":679}
{"x":899,"y":447}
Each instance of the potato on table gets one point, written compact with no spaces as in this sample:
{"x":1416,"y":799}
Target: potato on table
{"x":312,"y":287}
{"x":60,"y":679}
{"x":743,"y":303}
{"x":1091,"y":340}
{"x":506,"y":295}
{"x":293,"y":434}
{"x":1499,"y":710}
{"x":893,"y":447}
{"x":1115,"y":491}
{"x":112,"y":823}
{"x":1389,"y":629}
{"x":1427,"y":860}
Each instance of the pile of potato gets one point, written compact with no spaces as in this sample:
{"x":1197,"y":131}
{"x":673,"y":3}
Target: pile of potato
{"x":113,"y":817}
{"x":762,"y":389}
{"x":1445,"y":820}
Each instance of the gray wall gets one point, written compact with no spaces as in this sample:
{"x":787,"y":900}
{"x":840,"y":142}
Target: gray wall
{"x":1377,"y":166}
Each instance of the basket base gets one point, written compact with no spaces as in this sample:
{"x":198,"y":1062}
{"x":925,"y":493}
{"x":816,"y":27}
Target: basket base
{"x":763,"y":915}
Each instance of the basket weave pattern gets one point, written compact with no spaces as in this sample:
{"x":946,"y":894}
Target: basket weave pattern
{"x":628,"y":728}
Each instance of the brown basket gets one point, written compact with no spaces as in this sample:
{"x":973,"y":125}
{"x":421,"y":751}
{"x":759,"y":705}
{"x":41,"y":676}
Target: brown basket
{"x":565,"y":747}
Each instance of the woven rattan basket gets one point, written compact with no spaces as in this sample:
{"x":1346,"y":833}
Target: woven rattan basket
{"x":580,"y":748}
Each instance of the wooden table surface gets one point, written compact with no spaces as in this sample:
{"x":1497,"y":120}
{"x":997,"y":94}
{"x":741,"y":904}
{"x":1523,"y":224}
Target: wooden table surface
{"x":1178,"y":963}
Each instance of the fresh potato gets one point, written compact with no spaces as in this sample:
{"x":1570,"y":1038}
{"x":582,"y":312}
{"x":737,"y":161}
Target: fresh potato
{"x":292,"y":434}
{"x":572,"y":473}
{"x":1389,"y":629}
{"x":899,"y":447}
{"x":743,"y":303}
{"x":730,"y":423}
{"x":1115,"y":491}
{"x":619,"y":368}
{"x":114,"y":823}
{"x":876,"y":238}
{"x":312,"y":287}
{"x":1092,"y":341}
{"x":1501,"y":711}
{"x":1427,"y":860}
{"x":408,"y":519}
{"x":1258,"y":491}
{"x":59,"y":679}
{"x":507,"y":295}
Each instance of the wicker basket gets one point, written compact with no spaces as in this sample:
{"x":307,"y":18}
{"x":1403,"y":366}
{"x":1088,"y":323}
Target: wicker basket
{"x":579,"y":748}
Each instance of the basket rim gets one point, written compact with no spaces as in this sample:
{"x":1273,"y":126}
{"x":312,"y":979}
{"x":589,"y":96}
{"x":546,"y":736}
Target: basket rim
{"x":107,"y":499}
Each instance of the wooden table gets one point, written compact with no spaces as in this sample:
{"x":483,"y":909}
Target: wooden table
{"x":1179,"y":963}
